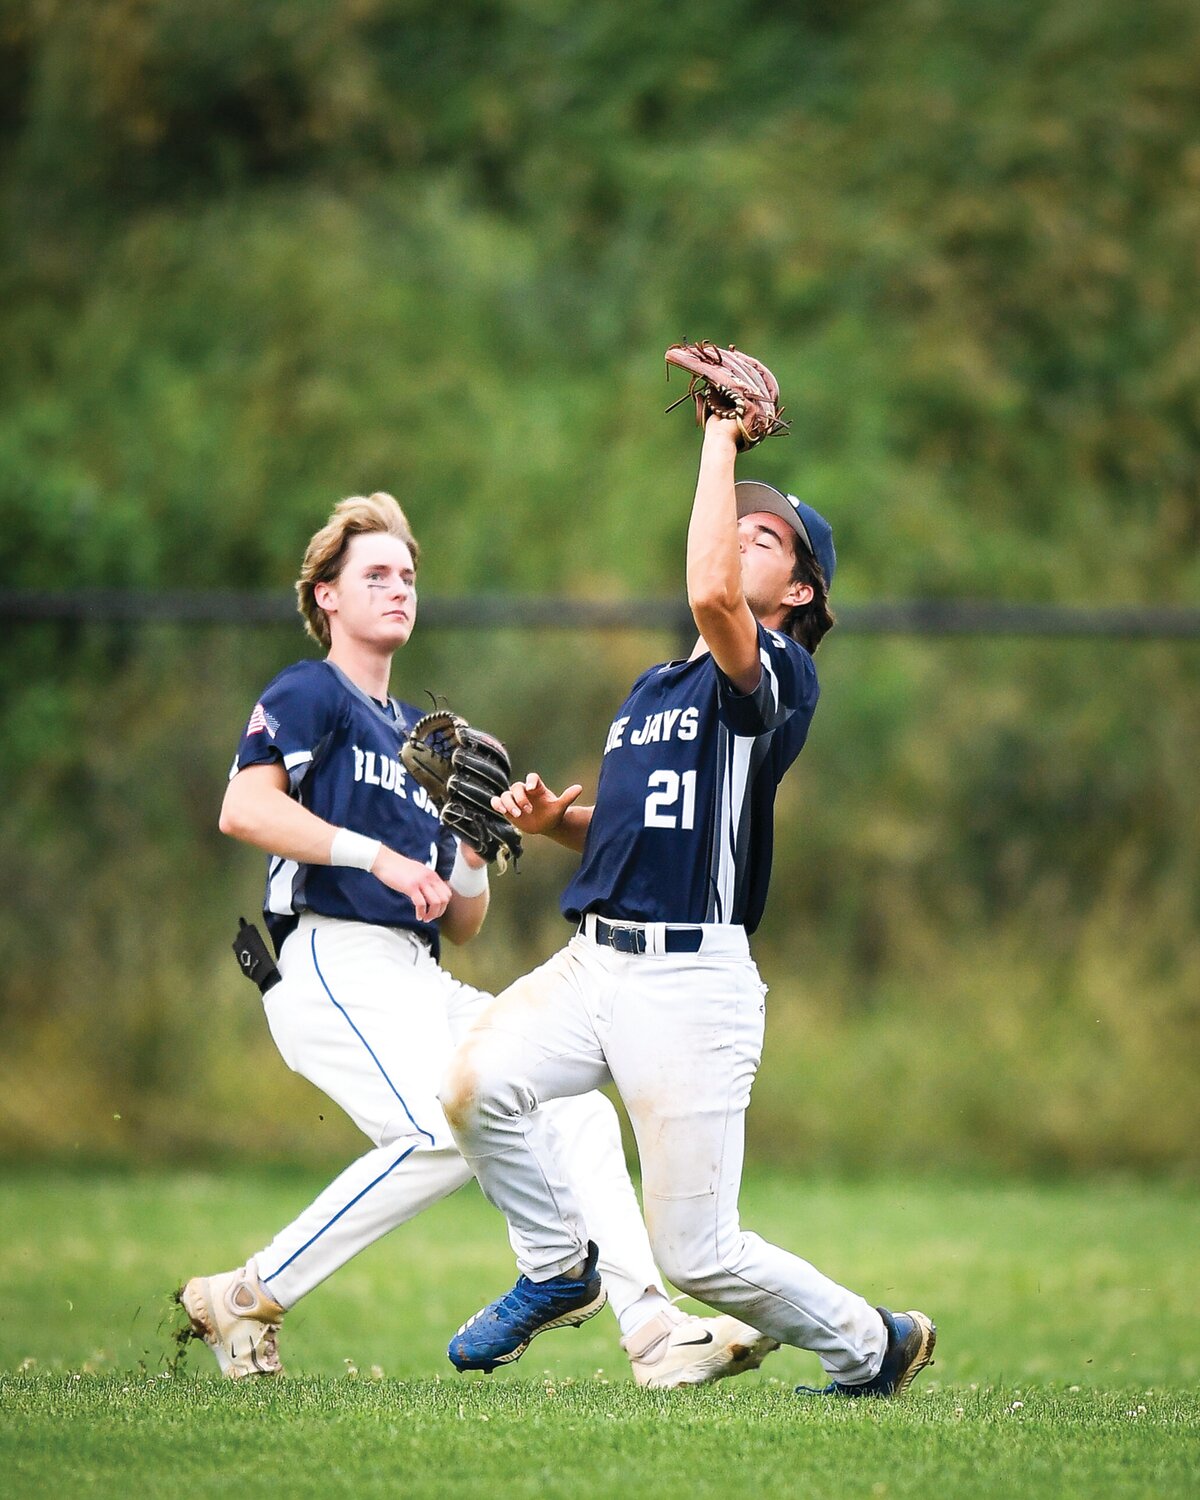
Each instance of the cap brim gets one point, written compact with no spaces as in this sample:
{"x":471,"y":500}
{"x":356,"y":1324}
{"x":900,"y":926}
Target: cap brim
{"x":754,"y":496}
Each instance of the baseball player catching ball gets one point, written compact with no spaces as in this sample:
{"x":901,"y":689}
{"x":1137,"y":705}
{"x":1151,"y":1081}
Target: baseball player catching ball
{"x":657,"y":990}
{"x":364,"y":879}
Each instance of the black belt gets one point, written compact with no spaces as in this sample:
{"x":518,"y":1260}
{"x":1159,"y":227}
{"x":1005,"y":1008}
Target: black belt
{"x":626,"y":939}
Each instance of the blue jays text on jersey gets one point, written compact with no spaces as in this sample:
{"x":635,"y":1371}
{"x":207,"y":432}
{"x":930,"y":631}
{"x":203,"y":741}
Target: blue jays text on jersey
{"x":682,"y":829}
{"x":340,"y":749}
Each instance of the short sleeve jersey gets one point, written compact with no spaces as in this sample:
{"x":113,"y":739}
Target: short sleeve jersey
{"x":340,"y":749}
{"x":683,"y":824}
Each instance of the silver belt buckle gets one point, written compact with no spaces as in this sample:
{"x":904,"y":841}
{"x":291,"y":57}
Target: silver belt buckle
{"x":624,"y":938}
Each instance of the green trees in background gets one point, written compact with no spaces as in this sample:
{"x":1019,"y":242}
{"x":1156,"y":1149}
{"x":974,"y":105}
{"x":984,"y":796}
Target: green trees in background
{"x":256,"y":256}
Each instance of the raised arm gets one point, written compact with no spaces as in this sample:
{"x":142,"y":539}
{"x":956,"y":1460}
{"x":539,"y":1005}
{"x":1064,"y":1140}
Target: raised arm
{"x":714,"y":572}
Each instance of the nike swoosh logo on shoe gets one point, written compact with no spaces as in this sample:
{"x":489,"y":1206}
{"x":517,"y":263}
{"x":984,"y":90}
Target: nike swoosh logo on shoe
{"x":705,"y":1338}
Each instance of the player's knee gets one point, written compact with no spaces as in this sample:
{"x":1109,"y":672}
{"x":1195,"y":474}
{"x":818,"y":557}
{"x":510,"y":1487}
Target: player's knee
{"x":459,"y":1093}
{"x":474,"y":1086}
{"x":482,"y":1085}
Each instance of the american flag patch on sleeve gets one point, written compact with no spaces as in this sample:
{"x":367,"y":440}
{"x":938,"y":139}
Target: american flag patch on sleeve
{"x":259,"y":720}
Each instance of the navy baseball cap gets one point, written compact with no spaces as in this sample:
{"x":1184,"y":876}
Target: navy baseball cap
{"x":809,"y":525}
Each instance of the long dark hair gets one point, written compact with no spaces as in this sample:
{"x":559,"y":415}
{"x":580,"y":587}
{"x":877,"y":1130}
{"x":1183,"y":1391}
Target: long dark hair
{"x":809,"y":623}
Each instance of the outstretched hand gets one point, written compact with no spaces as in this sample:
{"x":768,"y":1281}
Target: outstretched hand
{"x":531,"y":807}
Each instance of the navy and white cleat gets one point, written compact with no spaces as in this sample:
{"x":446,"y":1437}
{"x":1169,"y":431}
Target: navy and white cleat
{"x":500,"y":1332}
{"x":910,"y":1340}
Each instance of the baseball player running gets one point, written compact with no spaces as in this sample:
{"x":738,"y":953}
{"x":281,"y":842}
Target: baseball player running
{"x":657,"y":990}
{"x":363,"y":881}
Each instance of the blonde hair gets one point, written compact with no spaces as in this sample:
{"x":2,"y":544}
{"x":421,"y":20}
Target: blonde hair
{"x":326,"y":553}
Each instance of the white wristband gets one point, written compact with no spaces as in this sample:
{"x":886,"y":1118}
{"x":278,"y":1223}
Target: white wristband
{"x":353,"y":849}
{"x":465,"y":879}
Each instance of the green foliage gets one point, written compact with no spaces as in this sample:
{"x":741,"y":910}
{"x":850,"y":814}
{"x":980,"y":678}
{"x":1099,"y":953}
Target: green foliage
{"x":256,"y":256}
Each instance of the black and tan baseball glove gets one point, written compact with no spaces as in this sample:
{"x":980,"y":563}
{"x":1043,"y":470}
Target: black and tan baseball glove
{"x":462,"y":769}
{"x":728,"y":383}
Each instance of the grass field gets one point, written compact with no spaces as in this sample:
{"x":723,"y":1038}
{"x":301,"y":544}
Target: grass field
{"x":1068,"y":1357}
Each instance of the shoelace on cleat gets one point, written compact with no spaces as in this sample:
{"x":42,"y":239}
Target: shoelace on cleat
{"x":524,"y":1298}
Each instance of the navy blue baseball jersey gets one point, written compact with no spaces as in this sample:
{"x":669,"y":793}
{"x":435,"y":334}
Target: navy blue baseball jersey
{"x":340,"y":749}
{"x":683,"y":824}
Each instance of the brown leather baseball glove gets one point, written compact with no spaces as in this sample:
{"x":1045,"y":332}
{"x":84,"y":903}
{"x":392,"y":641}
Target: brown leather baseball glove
{"x":729,"y":383}
{"x":462,"y":769}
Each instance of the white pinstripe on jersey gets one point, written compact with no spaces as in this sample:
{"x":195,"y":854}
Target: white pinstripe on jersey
{"x":281,"y":886}
{"x":734,"y":778}
{"x":772,"y":680}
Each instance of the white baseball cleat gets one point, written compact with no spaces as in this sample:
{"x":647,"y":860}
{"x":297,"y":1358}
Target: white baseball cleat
{"x":237,"y":1318}
{"x":676,"y":1349}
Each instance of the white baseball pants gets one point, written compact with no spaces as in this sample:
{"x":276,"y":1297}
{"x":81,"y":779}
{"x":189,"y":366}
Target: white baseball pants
{"x":367,"y":1015}
{"x":681,"y":1036}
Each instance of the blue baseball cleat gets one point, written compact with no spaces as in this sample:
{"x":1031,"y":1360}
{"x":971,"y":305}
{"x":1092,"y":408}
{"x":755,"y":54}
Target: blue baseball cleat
{"x":500,"y":1332}
{"x":910,"y":1340}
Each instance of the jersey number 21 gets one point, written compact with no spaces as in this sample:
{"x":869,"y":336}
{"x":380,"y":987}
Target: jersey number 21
{"x":666,"y":790}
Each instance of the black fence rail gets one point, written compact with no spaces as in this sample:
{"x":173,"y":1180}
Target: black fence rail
{"x":919,"y":617}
